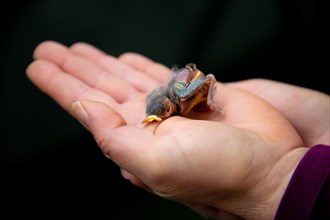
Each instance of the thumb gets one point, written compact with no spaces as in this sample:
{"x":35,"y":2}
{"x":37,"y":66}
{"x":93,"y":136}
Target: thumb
{"x":95,"y":114}
{"x":122,"y":143}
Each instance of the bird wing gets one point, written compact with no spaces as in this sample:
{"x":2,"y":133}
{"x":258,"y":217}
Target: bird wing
{"x":185,"y":90}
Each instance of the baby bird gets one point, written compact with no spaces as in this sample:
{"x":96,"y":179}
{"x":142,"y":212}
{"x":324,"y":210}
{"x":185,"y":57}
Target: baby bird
{"x":187,"y":89}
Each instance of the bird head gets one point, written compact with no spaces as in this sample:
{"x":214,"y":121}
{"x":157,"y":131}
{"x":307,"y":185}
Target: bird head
{"x":159,"y":107}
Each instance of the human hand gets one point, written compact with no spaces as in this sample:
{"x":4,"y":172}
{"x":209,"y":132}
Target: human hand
{"x":307,"y":110}
{"x":240,"y":163}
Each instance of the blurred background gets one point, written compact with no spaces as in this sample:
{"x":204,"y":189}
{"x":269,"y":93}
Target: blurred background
{"x":52,"y":167}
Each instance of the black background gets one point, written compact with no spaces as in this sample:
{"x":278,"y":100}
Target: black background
{"x":52,"y":166}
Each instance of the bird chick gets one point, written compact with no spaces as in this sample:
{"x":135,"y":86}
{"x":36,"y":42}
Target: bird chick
{"x":187,"y":89}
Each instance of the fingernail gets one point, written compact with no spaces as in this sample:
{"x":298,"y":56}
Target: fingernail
{"x":80,"y":113}
{"x":124,"y":174}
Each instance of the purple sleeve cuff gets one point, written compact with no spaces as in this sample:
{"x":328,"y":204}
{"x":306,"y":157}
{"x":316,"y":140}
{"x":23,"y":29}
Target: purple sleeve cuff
{"x":308,"y":195}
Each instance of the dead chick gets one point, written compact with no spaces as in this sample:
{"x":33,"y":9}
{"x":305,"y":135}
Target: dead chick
{"x":187,"y":89}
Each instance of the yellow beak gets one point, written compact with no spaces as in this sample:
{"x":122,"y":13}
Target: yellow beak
{"x":150,"y":118}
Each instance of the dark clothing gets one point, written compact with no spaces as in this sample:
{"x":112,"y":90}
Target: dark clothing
{"x":308,"y":193}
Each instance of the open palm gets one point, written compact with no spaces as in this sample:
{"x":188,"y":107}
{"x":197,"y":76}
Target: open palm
{"x":239,"y":162}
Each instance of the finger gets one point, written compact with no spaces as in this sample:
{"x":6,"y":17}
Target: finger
{"x":86,"y":71}
{"x":128,"y":146}
{"x":63,"y":88}
{"x":139,"y":80}
{"x":88,"y":51}
{"x":255,"y":86}
{"x":141,"y":63}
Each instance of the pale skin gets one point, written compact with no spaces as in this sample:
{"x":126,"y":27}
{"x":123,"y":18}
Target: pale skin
{"x":235,"y":165}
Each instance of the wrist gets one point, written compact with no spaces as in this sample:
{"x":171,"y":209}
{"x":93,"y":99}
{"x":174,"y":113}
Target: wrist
{"x":277,"y":182}
{"x":307,"y":194}
{"x":262,"y":201}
